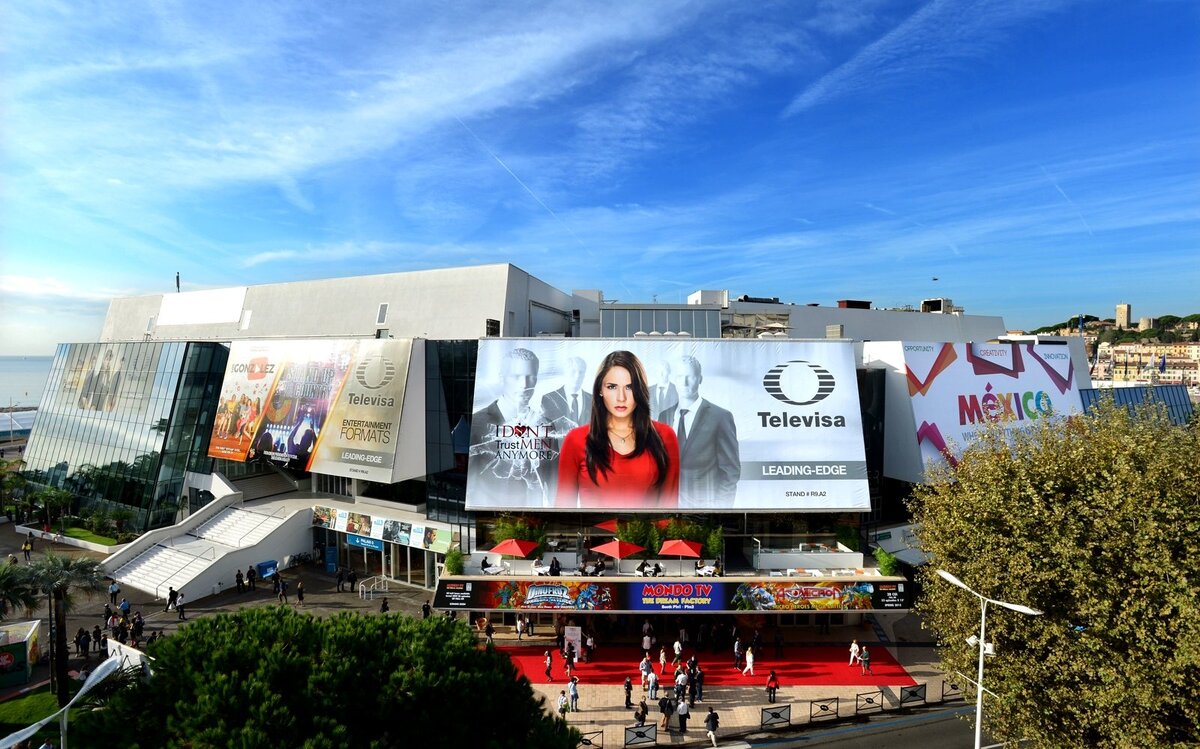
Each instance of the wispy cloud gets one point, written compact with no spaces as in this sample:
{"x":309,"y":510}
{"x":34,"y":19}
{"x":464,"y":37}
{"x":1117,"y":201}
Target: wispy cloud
{"x":940,"y":36}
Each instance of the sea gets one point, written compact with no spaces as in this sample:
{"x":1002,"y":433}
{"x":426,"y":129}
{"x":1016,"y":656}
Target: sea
{"x":22,"y":379}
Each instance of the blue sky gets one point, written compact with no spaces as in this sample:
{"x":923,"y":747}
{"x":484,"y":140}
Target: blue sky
{"x":1039,"y":158}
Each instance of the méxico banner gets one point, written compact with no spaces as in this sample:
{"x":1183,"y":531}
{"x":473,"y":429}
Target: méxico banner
{"x":331,"y":406}
{"x":642,"y":425}
{"x":956,"y":388}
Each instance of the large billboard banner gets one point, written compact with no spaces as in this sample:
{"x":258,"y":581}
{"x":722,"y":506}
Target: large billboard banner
{"x":331,"y":406}
{"x":957,"y":388}
{"x":613,"y":594}
{"x":733,"y":426}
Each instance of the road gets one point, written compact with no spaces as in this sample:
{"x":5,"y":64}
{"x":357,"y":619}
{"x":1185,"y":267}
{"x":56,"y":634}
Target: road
{"x":936,"y":729}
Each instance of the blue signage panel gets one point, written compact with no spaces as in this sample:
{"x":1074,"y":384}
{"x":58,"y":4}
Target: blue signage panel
{"x":675,"y":596}
{"x":364,"y":541}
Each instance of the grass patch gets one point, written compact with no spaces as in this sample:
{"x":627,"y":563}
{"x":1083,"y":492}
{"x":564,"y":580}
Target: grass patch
{"x":83,"y":534}
{"x":19,"y":712}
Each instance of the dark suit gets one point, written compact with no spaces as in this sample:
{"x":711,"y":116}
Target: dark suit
{"x":709,"y":461}
{"x":660,"y":402}
{"x":496,"y":479}
{"x":556,"y":408}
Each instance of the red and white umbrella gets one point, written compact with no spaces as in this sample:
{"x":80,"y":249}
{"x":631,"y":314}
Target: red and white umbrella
{"x":680,"y":548}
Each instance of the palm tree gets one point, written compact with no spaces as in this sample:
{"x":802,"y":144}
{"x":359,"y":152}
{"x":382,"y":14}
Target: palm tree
{"x":56,"y":501}
{"x":58,"y":577}
{"x":17,"y":590}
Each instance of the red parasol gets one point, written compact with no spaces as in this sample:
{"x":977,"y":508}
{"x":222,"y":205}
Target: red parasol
{"x":663,"y":523}
{"x":618,"y":549}
{"x":608,"y":525}
{"x":680,"y":548}
{"x":514,"y":547}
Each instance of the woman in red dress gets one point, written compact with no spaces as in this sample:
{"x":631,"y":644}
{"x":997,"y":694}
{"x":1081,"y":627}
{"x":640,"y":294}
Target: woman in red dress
{"x":622,"y":458}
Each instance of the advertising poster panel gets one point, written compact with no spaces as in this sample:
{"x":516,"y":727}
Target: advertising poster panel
{"x":956,"y":388}
{"x":331,"y":406}
{"x":667,"y":595}
{"x":732,"y":426}
{"x":111,"y":377}
{"x":426,"y":536}
{"x":763,"y":595}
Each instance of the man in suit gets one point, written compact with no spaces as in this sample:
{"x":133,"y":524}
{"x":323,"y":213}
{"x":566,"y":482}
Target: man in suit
{"x":569,"y":406}
{"x":709,"y":461}
{"x":501,"y":469}
{"x":663,"y":394}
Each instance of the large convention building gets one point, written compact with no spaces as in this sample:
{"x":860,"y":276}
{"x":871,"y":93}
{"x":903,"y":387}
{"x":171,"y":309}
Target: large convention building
{"x":378,"y":422}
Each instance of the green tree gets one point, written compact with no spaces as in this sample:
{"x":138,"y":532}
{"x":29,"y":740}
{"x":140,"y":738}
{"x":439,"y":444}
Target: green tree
{"x":272,"y":677}
{"x":12,"y":481}
{"x":59,"y":578}
{"x":1096,"y":522}
{"x":56,"y":503}
{"x":17,"y":590}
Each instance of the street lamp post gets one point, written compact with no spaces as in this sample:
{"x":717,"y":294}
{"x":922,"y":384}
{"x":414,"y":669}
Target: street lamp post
{"x":984,"y":646}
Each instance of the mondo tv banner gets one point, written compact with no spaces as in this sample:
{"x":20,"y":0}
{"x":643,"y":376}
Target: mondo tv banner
{"x":739,"y":425}
{"x":331,"y":406}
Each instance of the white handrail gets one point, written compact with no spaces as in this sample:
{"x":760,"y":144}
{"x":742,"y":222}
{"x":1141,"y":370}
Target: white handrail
{"x":372,"y":585}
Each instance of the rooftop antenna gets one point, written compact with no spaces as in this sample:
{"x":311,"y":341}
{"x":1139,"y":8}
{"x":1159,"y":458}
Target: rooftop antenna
{"x":176,"y":282}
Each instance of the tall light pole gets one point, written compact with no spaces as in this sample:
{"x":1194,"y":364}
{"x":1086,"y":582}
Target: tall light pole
{"x":984,"y":646}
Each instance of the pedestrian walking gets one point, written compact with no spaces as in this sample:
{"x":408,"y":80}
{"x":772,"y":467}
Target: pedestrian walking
{"x":749,"y":669}
{"x":520,"y":629}
{"x":528,"y":626}
{"x":426,"y":610}
{"x":681,"y":710}
{"x":667,"y":710}
{"x":639,"y":715}
{"x":662,"y":660}
{"x":653,"y":683}
{"x":179,"y":605}
{"x":240,"y":582}
{"x":712,"y":722}
{"x":172,"y":599}
{"x":281,"y":588}
{"x":854,"y":648}
{"x":678,"y":648}
{"x":352,"y":579}
{"x":384,"y":607}
{"x":488,"y":632}
{"x":698,"y":677}
{"x":549,"y":666}
{"x":737,"y":653}
{"x":564,"y":705}
{"x":27,"y":549}
{"x":124,"y":606}
{"x":865,"y":659}
{"x":573,"y":692}
{"x":300,"y":593}
{"x":646,"y":668}
{"x":341,"y":580}
{"x":772,"y":686}
{"x":628,"y":693}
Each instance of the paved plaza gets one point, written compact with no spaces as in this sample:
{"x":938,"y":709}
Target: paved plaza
{"x":601,"y":706}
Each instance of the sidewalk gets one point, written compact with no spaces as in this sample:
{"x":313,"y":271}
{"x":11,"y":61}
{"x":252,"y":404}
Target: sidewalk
{"x":601,"y":706}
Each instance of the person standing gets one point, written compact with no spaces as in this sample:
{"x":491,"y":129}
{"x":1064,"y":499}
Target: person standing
{"x":27,"y":549}
{"x":749,"y":669}
{"x":639,"y":715}
{"x":854,"y":652}
{"x":772,"y":686}
{"x":282,"y":589}
{"x":564,"y":705}
{"x":384,"y":607}
{"x":426,"y":609}
{"x":681,"y":710}
{"x":678,"y":648}
{"x":662,"y":660}
{"x":652,"y":681}
{"x":341,"y":581}
{"x":549,"y":666}
{"x":172,"y":599}
{"x":712,"y":722}
{"x":628,"y":693}
{"x":646,"y":668}
{"x":251,"y":577}
{"x":667,"y":710}
{"x":352,"y":580}
{"x":240,"y":582}
{"x":113,"y":590}
{"x":488,"y":632}
{"x":520,"y":629}
{"x":737,"y":653}
{"x":179,"y":605}
{"x":865,"y":659}
{"x":300,"y":593}
{"x":573,"y":692}
{"x":698,"y":677}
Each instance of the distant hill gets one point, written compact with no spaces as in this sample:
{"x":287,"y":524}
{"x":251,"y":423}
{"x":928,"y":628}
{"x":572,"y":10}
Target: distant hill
{"x":1165,"y":327}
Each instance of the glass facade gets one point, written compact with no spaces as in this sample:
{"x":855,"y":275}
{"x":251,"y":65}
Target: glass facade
{"x":450,"y":389}
{"x":120,"y":423}
{"x":625,"y":322}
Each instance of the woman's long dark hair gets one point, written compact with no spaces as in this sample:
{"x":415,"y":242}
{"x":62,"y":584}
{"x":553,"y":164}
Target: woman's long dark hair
{"x":647,"y":439}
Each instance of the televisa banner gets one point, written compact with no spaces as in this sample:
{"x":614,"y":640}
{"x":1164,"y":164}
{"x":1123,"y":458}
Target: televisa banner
{"x":331,"y":406}
{"x":759,"y":425}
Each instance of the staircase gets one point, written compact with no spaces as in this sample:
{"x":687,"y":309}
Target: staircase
{"x":237,"y":528}
{"x":266,"y":485}
{"x":161,"y":567}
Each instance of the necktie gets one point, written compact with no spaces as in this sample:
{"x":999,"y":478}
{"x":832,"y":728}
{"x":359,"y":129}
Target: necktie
{"x":681,"y":432}
{"x":575,"y":408}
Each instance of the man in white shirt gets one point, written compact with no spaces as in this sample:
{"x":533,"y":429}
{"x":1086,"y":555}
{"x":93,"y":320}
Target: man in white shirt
{"x":570,"y":405}
{"x":663,"y":395}
{"x":709,"y":457}
{"x":499,"y":477}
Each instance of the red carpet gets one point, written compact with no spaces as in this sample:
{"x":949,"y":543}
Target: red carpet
{"x":802,"y":666}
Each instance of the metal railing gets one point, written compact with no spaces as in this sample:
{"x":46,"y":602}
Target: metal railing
{"x":368,"y":588}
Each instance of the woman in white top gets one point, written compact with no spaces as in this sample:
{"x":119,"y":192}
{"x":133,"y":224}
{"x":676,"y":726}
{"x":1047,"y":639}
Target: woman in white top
{"x":749,"y":669}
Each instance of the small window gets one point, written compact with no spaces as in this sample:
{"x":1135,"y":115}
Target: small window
{"x":492,"y":329}
{"x":381,"y":318}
